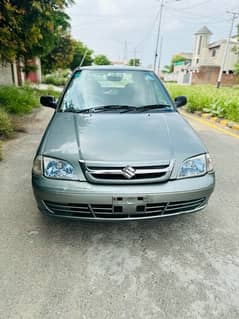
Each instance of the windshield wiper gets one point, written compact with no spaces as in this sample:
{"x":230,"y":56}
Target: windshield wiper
{"x":152,"y":107}
{"x":124,"y":108}
{"x":71,"y":110}
{"x":106,"y":108}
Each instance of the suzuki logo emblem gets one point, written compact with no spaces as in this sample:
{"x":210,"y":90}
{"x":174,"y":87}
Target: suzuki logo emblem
{"x":128,"y":172}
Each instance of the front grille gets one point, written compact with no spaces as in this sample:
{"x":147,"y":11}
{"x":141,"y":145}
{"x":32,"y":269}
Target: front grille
{"x":117,"y":211}
{"x":74,"y":210}
{"x":175,"y":207}
{"x":128,"y":174}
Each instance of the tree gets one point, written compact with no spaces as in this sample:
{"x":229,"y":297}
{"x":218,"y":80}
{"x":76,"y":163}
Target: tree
{"x":10,"y":21}
{"x":175,"y":59}
{"x":80,"y":49}
{"x":168,"y":68}
{"x":134,"y":62}
{"x":29,"y":28}
{"x":178,"y":58}
{"x":101,"y":60}
{"x":68,"y":53}
{"x":60,"y":56}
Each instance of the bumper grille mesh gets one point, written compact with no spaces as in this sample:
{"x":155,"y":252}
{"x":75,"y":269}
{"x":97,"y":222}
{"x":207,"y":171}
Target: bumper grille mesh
{"x":111,"y":212}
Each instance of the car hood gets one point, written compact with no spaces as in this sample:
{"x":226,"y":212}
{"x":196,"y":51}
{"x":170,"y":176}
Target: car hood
{"x":121,"y":138}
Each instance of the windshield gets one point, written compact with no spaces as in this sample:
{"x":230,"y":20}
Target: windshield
{"x":98,"y":88}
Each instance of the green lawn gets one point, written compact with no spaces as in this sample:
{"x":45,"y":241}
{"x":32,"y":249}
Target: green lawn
{"x":223,"y":102}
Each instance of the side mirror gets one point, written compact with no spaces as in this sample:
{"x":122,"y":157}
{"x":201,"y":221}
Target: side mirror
{"x":49,"y":101}
{"x":180,"y":101}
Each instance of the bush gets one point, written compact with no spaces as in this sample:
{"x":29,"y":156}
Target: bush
{"x":18,"y":100}
{"x":0,"y":151}
{"x":14,"y":102}
{"x":49,"y":91}
{"x":58,"y":78}
{"x":237,"y":68}
{"x":51,"y":79}
{"x":6,"y":128}
{"x":223,"y":102}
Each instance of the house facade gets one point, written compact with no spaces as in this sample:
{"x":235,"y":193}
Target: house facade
{"x":180,"y":72}
{"x":211,"y":54}
{"x":13,"y":74}
{"x":206,"y":61}
{"x":8,"y":74}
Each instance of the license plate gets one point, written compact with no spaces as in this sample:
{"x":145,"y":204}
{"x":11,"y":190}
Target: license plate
{"x":129,"y":204}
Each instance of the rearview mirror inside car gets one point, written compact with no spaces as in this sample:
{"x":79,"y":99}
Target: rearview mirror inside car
{"x":114,"y":77}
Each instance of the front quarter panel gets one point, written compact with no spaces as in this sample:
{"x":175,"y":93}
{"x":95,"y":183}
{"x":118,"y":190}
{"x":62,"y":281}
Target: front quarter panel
{"x":59,"y":141}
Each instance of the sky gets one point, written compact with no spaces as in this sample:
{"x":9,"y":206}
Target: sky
{"x":118,"y":28}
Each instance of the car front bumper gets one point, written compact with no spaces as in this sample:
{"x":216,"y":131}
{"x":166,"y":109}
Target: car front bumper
{"x":82,"y":200}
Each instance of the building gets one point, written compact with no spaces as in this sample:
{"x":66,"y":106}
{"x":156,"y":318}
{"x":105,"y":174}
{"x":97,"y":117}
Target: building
{"x":13,"y":73}
{"x":181,"y":68}
{"x":211,"y":54}
{"x":8,"y":74}
{"x":206,"y":61}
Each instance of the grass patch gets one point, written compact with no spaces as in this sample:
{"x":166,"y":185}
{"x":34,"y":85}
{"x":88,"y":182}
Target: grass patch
{"x":51,"y":79}
{"x":58,"y":78}
{"x":6,"y":128}
{"x":1,"y":151}
{"x":19,"y":101}
{"x":14,"y":103}
{"x":223,"y":102}
{"x":49,"y":91}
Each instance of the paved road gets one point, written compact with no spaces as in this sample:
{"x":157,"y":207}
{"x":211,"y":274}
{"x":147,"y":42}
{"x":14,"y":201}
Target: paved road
{"x":184,"y":267}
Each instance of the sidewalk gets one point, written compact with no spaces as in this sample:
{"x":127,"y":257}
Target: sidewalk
{"x":42,"y":86}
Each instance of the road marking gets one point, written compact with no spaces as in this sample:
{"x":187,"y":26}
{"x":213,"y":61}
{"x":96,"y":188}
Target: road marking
{"x":211,"y":125}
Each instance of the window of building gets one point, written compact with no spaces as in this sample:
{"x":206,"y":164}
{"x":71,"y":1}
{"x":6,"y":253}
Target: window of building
{"x":214,"y":52}
{"x":199,"y":45}
{"x":197,"y":61}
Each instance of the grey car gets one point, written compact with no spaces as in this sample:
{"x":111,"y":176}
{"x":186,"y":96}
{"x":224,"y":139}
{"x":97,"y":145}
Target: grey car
{"x":117,"y":149}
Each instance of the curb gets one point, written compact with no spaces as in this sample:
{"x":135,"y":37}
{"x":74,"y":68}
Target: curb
{"x":215,"y":119}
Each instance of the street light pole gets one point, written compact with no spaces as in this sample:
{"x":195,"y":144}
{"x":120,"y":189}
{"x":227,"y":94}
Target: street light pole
{"x":158,"y":34}
{"x":159,"y":30}
{"x":235,"y":15}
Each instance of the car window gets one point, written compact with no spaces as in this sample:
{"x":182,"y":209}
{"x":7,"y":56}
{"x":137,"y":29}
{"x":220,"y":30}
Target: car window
{"x":93,"y":88}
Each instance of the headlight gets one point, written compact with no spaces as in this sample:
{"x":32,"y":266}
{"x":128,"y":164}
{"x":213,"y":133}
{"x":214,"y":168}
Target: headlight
{"x":196,"y":166}
{"x":59,"y":169}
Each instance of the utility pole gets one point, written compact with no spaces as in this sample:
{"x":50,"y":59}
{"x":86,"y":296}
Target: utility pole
{"x":160,"y":55}
{"x":158,"y":33}
{"x":235,"y":15}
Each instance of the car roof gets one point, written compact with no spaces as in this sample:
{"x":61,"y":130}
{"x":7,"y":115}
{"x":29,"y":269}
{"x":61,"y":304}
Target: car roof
{"x":113,"y":67}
